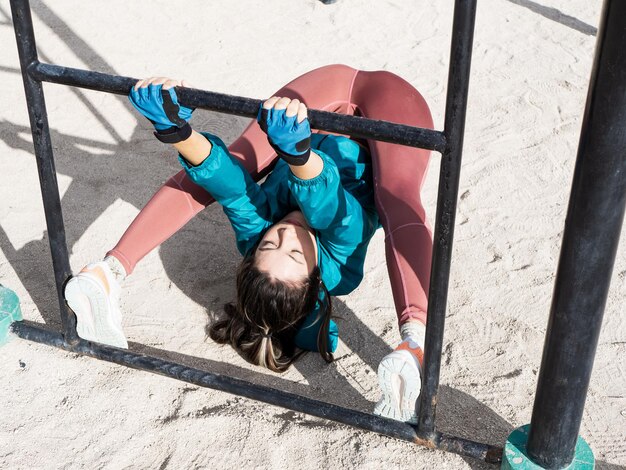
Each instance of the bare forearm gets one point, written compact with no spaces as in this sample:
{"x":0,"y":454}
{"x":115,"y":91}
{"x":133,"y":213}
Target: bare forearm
{"x":195,"y":149}
{"x":312,"y":168}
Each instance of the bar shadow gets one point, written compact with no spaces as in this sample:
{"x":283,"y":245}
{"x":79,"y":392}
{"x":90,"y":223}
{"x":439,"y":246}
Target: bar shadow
{"x":602,"y":465}
{"x":86,"y":198}
{"x":558,"y":16}
{"x":84,"y":52}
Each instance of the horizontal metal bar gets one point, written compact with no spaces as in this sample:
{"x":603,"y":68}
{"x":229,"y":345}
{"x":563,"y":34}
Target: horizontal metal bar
{"x":366,"y":421}
{"x":350,"y":125}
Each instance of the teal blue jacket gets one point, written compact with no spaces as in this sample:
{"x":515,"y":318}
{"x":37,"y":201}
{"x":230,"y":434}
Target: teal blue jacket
{"x":338,"y":203}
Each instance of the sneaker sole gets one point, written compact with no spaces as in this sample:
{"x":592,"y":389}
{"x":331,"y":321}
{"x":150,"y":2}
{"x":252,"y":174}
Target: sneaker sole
{"x":91,"y":307}
{"x":400,"y":384}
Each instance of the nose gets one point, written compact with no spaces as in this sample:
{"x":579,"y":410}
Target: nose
{"x":287,"y":234}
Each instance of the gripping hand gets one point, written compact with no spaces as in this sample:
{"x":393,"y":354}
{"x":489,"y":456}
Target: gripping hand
{"x":287,"y":128}
{"x":155,"y":98}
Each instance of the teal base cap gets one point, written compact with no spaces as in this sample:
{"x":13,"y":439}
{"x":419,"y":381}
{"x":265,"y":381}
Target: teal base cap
{"x":515,"y":456}
{"x":10,"y":311}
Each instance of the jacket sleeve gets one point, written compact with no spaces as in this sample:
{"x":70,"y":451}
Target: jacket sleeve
{"x":244,"y":202}
{"x":338,"y":217}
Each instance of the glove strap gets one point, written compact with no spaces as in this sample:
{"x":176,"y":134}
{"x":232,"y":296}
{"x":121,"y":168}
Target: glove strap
{"x":295,"y":160}
{"x":174,"y":134}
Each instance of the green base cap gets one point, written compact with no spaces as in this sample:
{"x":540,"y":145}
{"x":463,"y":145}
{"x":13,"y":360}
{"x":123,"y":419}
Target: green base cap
{"x":515,"y":456}
{"x":9,"y":312}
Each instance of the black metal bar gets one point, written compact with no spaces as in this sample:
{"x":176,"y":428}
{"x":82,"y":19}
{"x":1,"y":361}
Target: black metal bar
{"x":456,"y":104}
{"x":27,"y":50}
{"x":262,"y":393}
{"x":248,"y":107}
{"x":590,"y":239}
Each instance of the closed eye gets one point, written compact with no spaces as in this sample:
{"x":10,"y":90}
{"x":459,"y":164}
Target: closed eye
{"x":299,"y":258}
{"x":267,"y":245}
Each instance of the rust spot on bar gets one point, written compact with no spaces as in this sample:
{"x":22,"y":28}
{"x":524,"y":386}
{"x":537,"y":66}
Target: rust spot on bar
{"x":494,"y":455}
{"x":425,"y":442}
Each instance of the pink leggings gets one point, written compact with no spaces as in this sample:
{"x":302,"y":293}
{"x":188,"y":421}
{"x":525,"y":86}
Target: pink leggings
{"x":399,"y":173}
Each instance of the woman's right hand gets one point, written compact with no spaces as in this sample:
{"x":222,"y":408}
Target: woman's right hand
{"x":287,"y":127}
{"x":155,"y":98}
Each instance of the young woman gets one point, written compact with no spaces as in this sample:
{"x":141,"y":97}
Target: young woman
{"x":303,"y":232}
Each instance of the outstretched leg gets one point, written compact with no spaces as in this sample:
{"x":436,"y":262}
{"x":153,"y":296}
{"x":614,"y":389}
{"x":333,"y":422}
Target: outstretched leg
{"x":399,"y":173}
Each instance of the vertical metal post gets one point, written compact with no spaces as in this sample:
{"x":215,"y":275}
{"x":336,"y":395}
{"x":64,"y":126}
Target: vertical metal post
{"x":592,"y":231}
{"x":27,"y":49}
{"x":456,"y":104}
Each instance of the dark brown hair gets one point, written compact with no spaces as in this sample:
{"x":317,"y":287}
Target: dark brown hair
{"x":263,"y":322}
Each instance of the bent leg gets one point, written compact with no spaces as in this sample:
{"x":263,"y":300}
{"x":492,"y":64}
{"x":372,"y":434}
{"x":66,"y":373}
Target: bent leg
{"x":399,"y":173}
{"x":179,"y":199}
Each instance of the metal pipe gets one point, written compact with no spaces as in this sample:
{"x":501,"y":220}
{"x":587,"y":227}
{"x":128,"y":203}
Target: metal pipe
{"x":27,"y":49}
{"x":590,"y":239}
{"x":456,"y":104}
{"x":248,"y":107}
{"x":262,"y":393}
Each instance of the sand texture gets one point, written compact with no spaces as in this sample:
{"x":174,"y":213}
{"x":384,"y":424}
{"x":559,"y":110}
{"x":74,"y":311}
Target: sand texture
{"x":530,"y":72}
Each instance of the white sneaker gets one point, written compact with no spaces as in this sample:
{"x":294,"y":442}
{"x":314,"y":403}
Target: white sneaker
{"x":400,"y":379}
{"x":93,"y":295}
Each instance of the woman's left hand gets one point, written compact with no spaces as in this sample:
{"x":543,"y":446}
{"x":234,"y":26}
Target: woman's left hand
{"x":287,"y":127}
{"x":155,"y":98}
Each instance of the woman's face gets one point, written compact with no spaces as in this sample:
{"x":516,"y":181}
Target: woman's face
{"x":288,"y":250}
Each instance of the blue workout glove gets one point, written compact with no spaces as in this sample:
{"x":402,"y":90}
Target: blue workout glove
{"x":162,"y":109}
{"x":289,"y":138}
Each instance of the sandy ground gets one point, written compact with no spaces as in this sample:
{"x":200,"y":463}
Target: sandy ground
{"x":529,"y":81}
